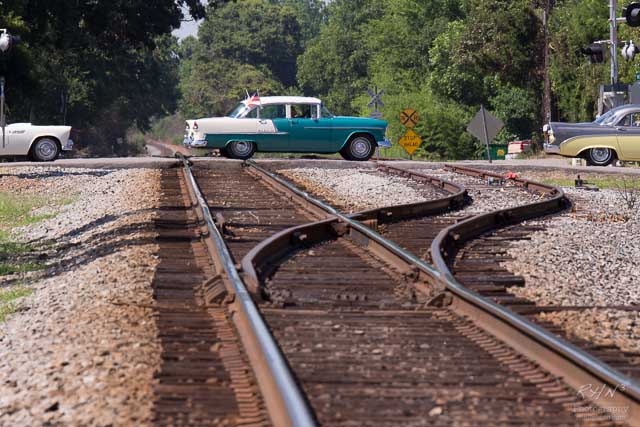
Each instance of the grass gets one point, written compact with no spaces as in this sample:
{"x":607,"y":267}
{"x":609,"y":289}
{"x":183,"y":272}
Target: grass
{"x":607,"y":182}
{"x":20,"y":268}
{"x":15,"y":211}
{"x":8,"y":297}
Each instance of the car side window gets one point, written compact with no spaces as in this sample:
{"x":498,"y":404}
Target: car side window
{"x":253,"y":114}
{"x":625,"y":120}
{"x":273,"y":111}
{"x":632,"y":120}
{"x":300,"y":111}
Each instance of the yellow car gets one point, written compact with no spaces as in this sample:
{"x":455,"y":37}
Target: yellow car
{"x":614,"y":135}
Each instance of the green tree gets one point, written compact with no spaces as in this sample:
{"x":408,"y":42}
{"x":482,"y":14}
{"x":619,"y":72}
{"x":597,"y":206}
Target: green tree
{"x":99,"y":66}
{"x":335,"y":64}
{"x":212,"y":88}
{"x":574,"y":25}
{"x":260,"y":33}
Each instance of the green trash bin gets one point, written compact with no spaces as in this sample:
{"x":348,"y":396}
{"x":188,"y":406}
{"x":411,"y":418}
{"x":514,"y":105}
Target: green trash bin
{"x":498,"y":151}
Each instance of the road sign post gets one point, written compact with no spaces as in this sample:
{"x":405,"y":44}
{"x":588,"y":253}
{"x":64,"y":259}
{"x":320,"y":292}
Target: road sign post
{"x":485,"y":126}
{"x":375,"y":101}
{"x":486,"y":134}
{"x":2,"y":119}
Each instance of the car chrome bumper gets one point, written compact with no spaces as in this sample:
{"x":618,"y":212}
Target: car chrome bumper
{"x":551,"y":149}
{"x":198,"y":143}
{"x":68,"y":146}
{"x":386,"y":143}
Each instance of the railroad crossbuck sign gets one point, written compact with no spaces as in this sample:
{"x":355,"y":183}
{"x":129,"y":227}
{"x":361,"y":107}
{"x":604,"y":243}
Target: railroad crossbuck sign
{"x":411,"y":141}
{"x":409,"y":118}
{"x":375,"y":102}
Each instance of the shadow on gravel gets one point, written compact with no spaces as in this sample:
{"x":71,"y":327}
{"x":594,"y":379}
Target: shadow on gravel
{"x":61,"y":255}
{"x":87,"y":227}
{"x":56,"y":174}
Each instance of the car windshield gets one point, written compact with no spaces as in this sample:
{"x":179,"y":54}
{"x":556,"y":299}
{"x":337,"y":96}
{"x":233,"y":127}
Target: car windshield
{"x":606,"y":118}
{"x":325,"y":114}
{"x":239,"y":111}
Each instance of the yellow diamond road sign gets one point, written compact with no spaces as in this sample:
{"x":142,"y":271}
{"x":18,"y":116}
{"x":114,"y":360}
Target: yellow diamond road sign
{"x":411,"y":141}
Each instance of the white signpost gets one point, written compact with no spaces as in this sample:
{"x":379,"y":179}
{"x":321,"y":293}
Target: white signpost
{"x":485,"y":126}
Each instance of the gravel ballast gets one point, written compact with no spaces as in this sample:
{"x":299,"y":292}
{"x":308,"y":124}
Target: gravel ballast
{"x":587,"y":257}
{"x":601,"y":327}
{"x":359,"y":189}
{"x":486,"y":198}
{"x":83,"y":348}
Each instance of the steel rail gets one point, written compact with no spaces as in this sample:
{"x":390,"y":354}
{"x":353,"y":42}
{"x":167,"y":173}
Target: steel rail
{"x":562,"y":358}
{"x":256,"y":263}
{"x":353,"y":224}
{"x":259,"y":344}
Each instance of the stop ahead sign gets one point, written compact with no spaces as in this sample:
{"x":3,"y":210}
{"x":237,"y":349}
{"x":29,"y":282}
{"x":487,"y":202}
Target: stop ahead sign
{"x":411,"y":141}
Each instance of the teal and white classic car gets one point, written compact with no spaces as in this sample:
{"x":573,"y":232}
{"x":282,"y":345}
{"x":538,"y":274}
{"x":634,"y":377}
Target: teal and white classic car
{"x":291,"y":124}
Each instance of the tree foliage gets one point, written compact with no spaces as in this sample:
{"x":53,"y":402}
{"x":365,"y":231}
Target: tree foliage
{"x":101,"y":66}
{"x":105,"y":66}
{"x":574,"y":25}
{"x":244,"y":46}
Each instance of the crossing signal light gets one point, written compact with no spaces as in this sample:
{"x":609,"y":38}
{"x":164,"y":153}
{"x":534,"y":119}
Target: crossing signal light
{"x":595,"y":53}
{"x":7,"y":41}
{"x":632,"y":14}
{"x":629,"y":50}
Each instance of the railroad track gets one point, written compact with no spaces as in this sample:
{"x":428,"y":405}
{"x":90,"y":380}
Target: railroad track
{"x":219,"y":367}
{"x":382,"y":338}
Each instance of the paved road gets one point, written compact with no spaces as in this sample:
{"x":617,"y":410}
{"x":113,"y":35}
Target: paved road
{"x":552,"y":163}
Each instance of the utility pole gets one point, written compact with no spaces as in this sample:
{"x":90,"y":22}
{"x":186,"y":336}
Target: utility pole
{"x":613,"y":40}
{"x":547,"y":79}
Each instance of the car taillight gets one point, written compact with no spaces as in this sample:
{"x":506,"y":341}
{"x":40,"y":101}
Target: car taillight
{"x":195,"y":125}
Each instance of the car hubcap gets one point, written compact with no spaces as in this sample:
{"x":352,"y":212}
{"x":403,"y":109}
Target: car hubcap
{"x":600,"y":154}
{"x":242,"y":148}
{"x":360,"y":147}
{"x":46,"y":149}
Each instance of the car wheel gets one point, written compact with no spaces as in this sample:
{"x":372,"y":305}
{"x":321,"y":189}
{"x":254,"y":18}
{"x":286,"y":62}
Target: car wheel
{"x":600,"y":156}
{"x":242,"y":150}
{"x":360,"y":148}
{"x":45,"y":150}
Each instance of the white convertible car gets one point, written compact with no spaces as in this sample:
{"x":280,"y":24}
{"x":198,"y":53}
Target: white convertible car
{"x":40,"y":143}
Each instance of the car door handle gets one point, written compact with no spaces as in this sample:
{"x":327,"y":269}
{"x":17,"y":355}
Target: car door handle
{"x":294,"y":122}
{"x":621,"y":128}
{"x":262,"y":122}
